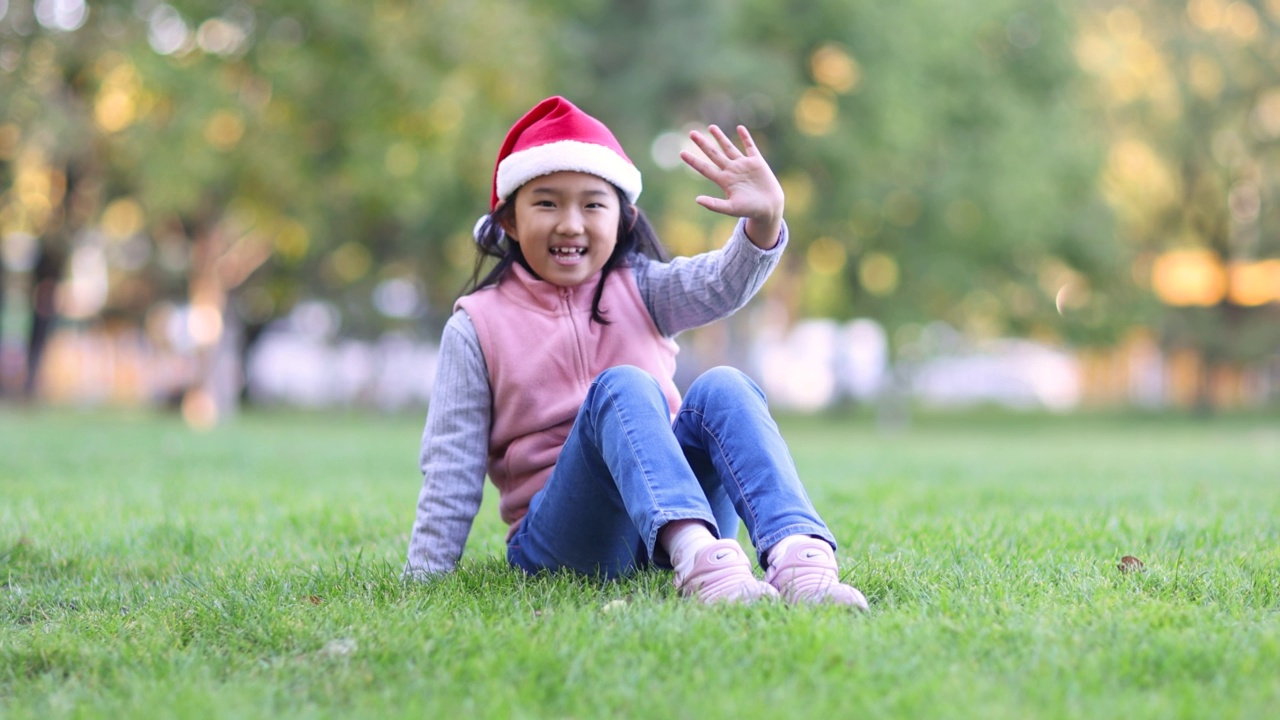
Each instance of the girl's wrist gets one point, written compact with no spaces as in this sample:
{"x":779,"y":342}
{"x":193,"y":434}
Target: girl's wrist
{"x":764,"y":233}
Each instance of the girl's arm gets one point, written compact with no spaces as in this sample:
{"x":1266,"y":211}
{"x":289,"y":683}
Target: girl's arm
{"x":455,"y":447}
{"x":689,"y":292}
{"x":695,"y":291}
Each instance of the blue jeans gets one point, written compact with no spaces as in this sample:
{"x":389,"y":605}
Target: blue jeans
{"x":626,"y":470}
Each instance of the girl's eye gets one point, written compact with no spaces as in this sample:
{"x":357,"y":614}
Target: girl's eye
{"x":544,"y":203}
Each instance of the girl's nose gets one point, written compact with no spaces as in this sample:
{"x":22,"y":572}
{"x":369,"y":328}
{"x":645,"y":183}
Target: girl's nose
{"x":570,"y":222}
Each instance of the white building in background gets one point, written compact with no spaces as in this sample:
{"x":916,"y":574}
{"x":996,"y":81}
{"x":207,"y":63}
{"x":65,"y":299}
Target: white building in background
{"x":817,"y":363}
{"x":1019,"y":374}
{"x":298,"y":361}
{"x":797,"y":370}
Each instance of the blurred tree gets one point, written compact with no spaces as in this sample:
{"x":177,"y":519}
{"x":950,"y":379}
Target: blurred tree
{"x":251,"y":156}
{"x":941,"y":162}
{"x":1191,"y":95}
{"x":45,"y":136}
{"x":940,"y":166}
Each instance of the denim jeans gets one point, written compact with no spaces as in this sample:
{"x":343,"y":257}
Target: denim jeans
{"x":627,"y":469}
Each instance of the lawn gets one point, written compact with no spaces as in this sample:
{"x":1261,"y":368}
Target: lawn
{"x":253,"y":571}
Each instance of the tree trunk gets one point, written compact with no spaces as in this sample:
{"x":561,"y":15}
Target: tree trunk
{"x":45,"y":277}
{"x":2,"y":293}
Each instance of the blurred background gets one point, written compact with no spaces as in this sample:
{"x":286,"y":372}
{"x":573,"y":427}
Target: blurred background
{"x":1043,"y":205}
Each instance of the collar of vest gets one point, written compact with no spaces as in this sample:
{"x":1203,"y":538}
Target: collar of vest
{"x":522,"y":287}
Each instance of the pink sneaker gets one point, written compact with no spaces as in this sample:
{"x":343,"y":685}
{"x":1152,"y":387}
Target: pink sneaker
{"x":722,"y":573}
{"x":807,"y":573}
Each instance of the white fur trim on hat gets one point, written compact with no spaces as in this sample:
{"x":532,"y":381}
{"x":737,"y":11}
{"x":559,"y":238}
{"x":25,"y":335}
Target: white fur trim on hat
{"x":520,"y":167}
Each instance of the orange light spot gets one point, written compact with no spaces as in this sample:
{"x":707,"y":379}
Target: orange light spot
{"x":1189,"y":277}
{"x":1256,"y":283}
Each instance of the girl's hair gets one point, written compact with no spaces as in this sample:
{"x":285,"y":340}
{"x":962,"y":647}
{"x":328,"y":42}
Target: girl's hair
{"x":635,"y":235}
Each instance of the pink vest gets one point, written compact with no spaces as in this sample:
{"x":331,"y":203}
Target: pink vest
{"x":543,"y":351}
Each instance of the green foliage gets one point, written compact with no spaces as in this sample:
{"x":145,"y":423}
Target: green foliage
{"x":962,"y":153}
{"x":1192,"y":94}
{"x":254,"y":572}
{"x":958,"y":161}
{"x":958,"y":152}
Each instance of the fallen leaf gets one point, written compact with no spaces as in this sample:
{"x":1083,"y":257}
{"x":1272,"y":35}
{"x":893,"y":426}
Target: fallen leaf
{"x":1130,"y":564}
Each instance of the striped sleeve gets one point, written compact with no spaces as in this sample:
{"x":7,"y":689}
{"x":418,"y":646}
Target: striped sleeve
{"x":689,"y":292}
{"x":455,"y":447}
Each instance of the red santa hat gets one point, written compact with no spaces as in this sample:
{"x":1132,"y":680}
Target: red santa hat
{"x":555,"y":136}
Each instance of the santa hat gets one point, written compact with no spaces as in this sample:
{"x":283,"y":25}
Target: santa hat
{"x":555,"y":136}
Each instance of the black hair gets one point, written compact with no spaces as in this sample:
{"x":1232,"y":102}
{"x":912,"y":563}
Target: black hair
{"x":635,"y":236}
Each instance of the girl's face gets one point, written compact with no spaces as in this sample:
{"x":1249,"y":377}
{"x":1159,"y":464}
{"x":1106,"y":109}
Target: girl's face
{"x":566,"y":224}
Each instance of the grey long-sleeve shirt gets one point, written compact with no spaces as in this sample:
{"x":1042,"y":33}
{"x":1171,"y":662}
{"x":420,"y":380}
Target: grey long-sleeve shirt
{"x":685,"y":293}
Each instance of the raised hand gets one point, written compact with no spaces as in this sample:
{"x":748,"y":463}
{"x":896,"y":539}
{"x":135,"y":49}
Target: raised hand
{"x":750,"y":187}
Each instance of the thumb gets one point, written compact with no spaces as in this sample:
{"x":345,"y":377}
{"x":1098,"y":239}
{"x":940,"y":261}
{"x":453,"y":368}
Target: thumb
{"x":715,"y":204}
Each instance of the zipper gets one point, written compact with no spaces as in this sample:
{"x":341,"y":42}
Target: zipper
{"x":580,"y":350}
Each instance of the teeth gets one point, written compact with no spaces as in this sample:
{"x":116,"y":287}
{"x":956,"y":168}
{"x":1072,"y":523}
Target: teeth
{"x":568,"y":252}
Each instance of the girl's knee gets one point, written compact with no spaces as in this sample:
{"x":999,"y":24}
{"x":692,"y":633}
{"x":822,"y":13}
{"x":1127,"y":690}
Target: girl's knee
{"x":724,"y":380}
{"x":725,"y":389}
{"x":624,"y":375}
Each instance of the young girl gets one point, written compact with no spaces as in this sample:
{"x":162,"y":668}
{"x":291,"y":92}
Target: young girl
{"x":555,"y":376}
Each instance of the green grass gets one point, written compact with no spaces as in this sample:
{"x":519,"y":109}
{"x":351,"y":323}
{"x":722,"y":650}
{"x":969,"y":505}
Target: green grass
{"x":148,"y":571}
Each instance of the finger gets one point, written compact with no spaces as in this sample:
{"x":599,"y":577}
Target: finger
{"x":701,"y":164}
{"x":726,"y":145}
{"x":748,"y":143}
{"x":710,"y":149}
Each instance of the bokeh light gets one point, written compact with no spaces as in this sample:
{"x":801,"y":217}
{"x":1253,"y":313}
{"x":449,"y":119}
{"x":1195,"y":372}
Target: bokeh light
{"x":224,"y":130}
{"x":167,"y":32}
{"x":827,"y":256}
{"x":816,"y":112}
{"x":834,"y":67}
{"x":398,"y":297}
{"x":1206,"y":14}
{"x":878,"y":273}
{"x":63,"y":15}
{"x":220,"y":37}
{"x":1189,"y":277}
{"x":1242,"y":20}
{"x":1266,"y":114}
{"x":1205,"y":76}
{"x":1256,"y":283}
{"x":122,"y":217}
{"x":120,"y":99}
{"x":292,"y":240}
{"x":350,"y":262}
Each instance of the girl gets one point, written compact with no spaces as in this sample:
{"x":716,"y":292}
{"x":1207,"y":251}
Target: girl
{"x":555,"y":376}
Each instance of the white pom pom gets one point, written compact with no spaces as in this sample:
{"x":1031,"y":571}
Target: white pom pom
{"x":479,"y":228}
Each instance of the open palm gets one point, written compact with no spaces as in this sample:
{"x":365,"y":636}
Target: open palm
{"x":751,"y":190}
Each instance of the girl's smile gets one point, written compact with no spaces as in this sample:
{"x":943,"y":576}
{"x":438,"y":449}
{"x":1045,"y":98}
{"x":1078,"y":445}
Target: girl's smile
{"x":566,"y":224}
